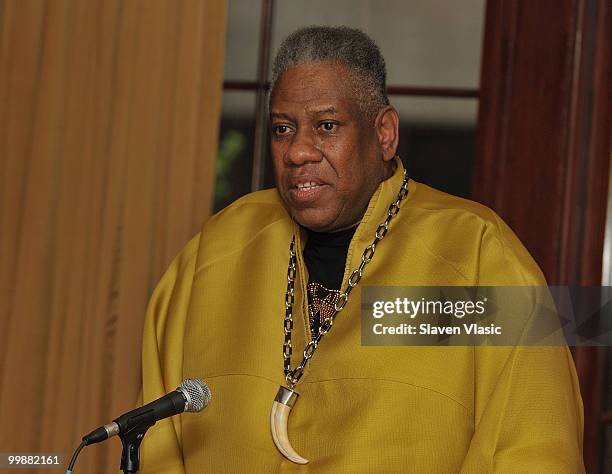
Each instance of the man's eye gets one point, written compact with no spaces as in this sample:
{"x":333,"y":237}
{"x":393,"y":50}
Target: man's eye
{"x":281,"y":129}
{"x":329,"y":126}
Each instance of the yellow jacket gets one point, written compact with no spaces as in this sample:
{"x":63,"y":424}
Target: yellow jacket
{"x":218,"y":312}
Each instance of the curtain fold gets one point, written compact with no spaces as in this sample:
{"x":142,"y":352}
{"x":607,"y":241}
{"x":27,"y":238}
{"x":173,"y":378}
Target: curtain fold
{"x":109,"y":116}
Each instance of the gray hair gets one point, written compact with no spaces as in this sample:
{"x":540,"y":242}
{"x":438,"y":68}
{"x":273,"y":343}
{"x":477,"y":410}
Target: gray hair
{"x":347,"y":46}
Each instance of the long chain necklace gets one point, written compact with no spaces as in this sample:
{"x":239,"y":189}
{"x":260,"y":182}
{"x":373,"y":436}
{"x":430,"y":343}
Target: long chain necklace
{"x":286,"y":396}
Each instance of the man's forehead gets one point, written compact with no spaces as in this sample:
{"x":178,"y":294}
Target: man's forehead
{"x":313,"y":97}
{"x":293,"y":89}
{"x":311,"y":109}
{"x":312,"y":80}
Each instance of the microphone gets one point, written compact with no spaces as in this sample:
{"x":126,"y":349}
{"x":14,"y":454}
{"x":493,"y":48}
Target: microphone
{"x":193,"y":395}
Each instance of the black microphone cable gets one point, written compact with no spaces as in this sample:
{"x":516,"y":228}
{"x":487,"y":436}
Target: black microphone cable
{"x":77,"y":451}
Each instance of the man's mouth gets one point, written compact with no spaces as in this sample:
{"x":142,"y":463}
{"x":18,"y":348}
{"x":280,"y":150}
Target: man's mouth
{"x":306,"y":192}
{"x":307,"y":186}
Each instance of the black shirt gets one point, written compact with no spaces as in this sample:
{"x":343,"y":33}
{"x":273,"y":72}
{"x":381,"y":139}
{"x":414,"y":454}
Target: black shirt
{"x":325,"y":257}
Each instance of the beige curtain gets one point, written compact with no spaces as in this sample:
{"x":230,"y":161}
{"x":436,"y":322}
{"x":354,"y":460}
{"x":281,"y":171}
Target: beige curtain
{"x":109,"y":114}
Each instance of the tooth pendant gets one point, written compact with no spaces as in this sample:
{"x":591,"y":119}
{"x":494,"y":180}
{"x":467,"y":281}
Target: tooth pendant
{"x":279,"y":416}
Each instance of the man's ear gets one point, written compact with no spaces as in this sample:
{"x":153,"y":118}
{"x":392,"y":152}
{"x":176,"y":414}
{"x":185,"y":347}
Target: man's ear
{"x":387,"y":129}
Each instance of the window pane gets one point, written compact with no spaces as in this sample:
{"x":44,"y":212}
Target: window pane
{"x":442,"y":112}
{"x":234,"y":154}
{"x":242,"y":39}
{"x":424,"y":42}
{"x":437,"y":141}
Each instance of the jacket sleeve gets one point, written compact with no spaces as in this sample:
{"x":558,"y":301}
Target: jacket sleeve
{"x":528,"y":408}
{"x":162,"y":360}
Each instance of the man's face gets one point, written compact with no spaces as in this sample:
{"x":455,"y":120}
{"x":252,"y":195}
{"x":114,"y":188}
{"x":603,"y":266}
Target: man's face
{"x":327,"y":158}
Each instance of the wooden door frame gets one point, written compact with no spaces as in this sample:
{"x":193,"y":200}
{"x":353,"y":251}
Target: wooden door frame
{"x":543,"y":148}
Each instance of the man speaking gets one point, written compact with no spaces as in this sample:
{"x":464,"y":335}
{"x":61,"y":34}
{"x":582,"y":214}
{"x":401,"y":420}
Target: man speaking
{"x":264,"y":304}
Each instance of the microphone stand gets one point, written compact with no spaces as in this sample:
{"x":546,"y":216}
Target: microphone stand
{"x":131,"y":439}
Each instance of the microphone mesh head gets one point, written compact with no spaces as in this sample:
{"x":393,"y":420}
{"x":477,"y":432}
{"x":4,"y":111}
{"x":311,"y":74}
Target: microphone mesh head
{"x":198,"y":394}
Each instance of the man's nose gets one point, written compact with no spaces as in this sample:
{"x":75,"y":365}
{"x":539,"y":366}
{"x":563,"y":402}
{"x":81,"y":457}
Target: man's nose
{"x":303,"y":149}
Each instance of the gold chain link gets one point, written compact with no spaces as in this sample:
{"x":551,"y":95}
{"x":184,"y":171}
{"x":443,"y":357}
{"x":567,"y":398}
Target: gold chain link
{"x":293,"y":376}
